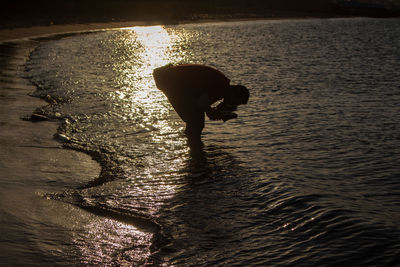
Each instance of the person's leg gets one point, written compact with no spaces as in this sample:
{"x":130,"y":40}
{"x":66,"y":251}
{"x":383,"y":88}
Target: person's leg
{"x":194,"y":126}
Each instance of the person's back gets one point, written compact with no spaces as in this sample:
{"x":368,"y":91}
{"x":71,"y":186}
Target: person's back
{"x":199,"y":79}
{"x":192,"y":89}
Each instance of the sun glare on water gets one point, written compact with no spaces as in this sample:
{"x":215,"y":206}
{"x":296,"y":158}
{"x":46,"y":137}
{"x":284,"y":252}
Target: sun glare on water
{"x":145,"y":109}
{"x":144,"y":49}
{"x":157,"y":44}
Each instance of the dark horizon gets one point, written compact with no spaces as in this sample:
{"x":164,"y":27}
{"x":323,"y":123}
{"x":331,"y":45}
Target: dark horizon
{"x":21,"y":13}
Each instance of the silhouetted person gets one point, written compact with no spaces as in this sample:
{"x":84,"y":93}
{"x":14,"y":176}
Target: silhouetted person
{"x":192,"y":89}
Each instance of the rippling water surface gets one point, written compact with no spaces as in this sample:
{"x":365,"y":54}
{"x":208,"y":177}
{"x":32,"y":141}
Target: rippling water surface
{"x":307,"y":175}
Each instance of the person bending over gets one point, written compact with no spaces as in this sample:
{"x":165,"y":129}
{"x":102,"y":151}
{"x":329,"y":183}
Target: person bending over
{"x":192,"y":89}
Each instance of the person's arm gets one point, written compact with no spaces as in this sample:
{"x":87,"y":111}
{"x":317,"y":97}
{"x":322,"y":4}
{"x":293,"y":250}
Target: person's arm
{"x":213,"y":114}
{"x":226,"y":111}
{"x":203,"y":103}
{"x":225,"y":107}
{"x":222,"y":112}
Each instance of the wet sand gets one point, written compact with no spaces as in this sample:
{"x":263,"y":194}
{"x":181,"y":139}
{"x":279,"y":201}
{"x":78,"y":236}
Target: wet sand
{"x":32,"y":162}
{"x":27,"y":141}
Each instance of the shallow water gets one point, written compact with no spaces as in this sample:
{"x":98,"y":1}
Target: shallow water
{"x":308,"y":174}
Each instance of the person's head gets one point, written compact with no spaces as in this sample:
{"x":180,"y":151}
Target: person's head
{"x":237,"y":95}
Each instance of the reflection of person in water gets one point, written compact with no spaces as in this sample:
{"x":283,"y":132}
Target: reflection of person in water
{"x":192,"y":89}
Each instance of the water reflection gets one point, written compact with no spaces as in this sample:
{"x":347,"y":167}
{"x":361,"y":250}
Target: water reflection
{"x":157,"y":43}
{"x":100,"y":246}
{"x":198,"y":214}
{"x":152,"y":157}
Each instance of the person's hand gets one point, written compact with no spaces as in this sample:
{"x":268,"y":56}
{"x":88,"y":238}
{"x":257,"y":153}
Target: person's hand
{"x":213,"y":114}
{"x":216,"y":114}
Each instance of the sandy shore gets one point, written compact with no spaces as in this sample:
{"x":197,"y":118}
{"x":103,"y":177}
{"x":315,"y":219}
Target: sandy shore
{"x":32,"y":162}
{"x":38,"y":31}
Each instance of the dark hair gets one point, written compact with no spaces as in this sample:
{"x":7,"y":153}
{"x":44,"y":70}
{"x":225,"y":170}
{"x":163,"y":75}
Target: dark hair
{"x":237,"y":95}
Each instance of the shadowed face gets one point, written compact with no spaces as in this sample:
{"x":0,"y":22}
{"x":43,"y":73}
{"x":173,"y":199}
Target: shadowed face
{"x":237,"y":95}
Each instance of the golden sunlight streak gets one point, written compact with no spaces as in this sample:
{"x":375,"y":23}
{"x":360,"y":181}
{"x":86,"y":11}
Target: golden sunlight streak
{"x":156,"y":42}
{"x":146,"y":49}
{"x":155,"y":50}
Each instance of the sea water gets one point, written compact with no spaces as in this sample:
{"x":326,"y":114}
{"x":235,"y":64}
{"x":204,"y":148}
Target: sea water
{"x":308,"y":174}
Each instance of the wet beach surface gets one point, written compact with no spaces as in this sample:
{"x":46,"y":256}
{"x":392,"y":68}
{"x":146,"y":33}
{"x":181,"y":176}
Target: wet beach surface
{"x":32,"y":162}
